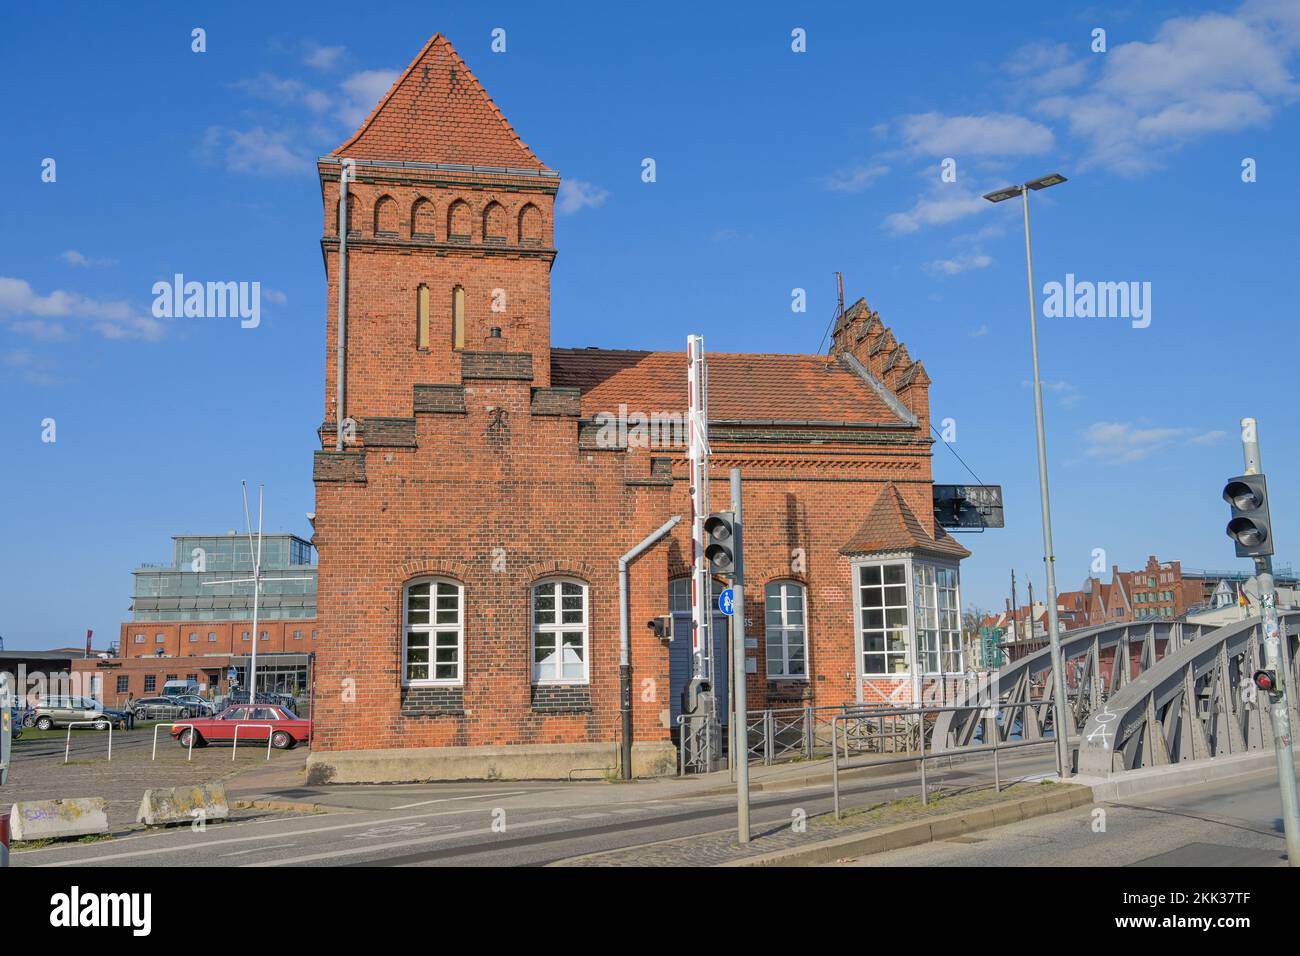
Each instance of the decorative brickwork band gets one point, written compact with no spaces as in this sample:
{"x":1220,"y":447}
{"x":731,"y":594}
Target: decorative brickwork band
{"x":440,"y":399}
{"x":557,"y":401}
{"x":339,"y":466}
{"x":561,"y":698}
{"x":499,"y":365}
{"x":433,"y":701}
{"x":376,"y":433}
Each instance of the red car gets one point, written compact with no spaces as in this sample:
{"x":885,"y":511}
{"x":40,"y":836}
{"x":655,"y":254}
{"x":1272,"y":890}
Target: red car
{"x":285,"y":727}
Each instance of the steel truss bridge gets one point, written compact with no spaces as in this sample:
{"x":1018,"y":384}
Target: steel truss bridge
{"x":1141,"y":694}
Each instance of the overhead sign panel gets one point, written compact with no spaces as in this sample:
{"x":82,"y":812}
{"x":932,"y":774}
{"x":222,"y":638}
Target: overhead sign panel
{"x":968,"y":507}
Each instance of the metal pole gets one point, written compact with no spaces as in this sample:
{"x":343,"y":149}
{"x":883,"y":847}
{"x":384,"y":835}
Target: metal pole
{"x":738,"y":689}
{"x":1277,"y":698}
{"x":1049,"y":558}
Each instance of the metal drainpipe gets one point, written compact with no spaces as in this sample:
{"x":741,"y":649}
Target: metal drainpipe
{"x":625,"y":640}
{"x":345,"y":167}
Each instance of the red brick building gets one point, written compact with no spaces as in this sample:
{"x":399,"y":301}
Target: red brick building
{"x":470,"y":527}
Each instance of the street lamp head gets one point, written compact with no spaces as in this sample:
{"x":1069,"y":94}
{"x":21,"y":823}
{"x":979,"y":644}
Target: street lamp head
{"x":1052,"y":179}
{"x":1000,"y":194}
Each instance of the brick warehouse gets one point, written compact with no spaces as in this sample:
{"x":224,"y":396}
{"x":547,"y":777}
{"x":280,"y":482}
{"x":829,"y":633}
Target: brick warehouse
{"x":471,"y":513}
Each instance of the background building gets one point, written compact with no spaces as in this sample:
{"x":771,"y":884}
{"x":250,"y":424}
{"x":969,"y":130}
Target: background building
{"x":183,"y":627}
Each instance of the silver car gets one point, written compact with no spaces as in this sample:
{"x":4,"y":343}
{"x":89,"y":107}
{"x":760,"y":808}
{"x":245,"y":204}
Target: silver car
{"x":51,"y":712}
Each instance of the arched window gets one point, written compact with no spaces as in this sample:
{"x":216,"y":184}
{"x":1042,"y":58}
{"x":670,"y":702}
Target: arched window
{"x":422,"y":221}
{"x":459,"y":223}
{"x":560,"y":632}
{"x":433,"y":632}
{"x":386,"y":217}
{"x":422,"y":317}
{"x":494,"y":223}
{"x":458,"y":318}
{"x":787,"y":643}
{"x":530,"y":226}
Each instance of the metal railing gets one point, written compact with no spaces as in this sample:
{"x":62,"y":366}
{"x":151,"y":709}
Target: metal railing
{"x":700,"y":743}
{"x":998,"y":731}
{"x":270,"y":734}
{"x":193,"y":733}
{"x":98,"y":723}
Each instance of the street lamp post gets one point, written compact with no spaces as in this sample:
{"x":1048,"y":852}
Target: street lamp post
{"x":1063,"y":720}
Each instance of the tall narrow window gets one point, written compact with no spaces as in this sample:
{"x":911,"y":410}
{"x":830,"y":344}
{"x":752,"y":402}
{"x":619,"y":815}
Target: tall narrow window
{"x":560,"y":633}
{"x":422,"y":317}
{"x":785,"y":630}
{"x":433,"y":646}
{"x":883,"y":604}
{"x":458,"y":318}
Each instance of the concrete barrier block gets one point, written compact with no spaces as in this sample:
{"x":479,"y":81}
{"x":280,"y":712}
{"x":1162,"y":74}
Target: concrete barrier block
{"x":205,"y":802}
{"x":51,"y":819}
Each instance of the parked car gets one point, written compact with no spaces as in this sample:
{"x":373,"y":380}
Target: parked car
{"x":51,"y":712}
{"x":198,"y":707}
{"x":161,"y":708}
{"x":263,"y":697}
{"x":180,"y":688}
{"x":286,"y":728}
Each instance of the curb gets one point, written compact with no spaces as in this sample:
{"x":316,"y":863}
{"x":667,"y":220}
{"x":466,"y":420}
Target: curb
{"x":925,"y":831}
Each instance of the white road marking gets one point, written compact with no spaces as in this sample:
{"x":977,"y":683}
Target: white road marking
{"x":333,"y":854}
{"x":259,"y":849}
{"x":589,"y":816}
{"x":192,"y":845}
{"x":471,"y":796}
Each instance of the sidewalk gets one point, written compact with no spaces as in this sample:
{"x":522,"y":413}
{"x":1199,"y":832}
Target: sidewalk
{"x":861,"y":831}
{"x":123,"y":780}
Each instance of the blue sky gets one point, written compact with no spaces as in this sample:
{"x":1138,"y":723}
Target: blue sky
{"x":774,"y":169}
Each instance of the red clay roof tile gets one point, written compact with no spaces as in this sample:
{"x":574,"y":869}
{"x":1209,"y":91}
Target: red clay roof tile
{"x":742,"y":387}
{"x":891,"y":525}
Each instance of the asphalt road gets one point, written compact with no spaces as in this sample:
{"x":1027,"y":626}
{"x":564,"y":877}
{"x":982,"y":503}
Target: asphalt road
{"x":1235,"y":824}
{"x":497,"y":824}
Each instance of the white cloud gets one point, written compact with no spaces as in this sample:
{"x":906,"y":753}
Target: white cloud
{"x":39,"y":315}
{"x":948,"y":204}
{"x":1119,"y":442}
{"x":74,"y":258}
{"x":361,"y":91}
{"x":1066,"y":393}
{"x":324,"y":57}
{"x":992,"y":134}
{"x":1198,"y":76}
{"x":979,"y":333}
{"x":964,"y":262}
{"x":32,"y":368}
{"x":574,"y":194}
{"x":257,"y":151}
{"x":856,"y":179}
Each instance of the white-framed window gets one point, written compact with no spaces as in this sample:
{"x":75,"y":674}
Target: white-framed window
{"x":559,"y":611}
{"x":433,"y":628}
{"x":938,"y":618}
{"x":883,"y":617}
{"x":787,"y":643}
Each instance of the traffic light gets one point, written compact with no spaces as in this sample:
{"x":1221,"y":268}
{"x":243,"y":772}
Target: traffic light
{"x":1249,"y":527}
{"x":1266,"y":681}
{"x":662,"y":626}
{"x":720,"y":542}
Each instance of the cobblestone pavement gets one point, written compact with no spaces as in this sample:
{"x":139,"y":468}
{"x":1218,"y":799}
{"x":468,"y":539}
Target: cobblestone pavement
{"x":37,"y":771}
{"x":713,"y":849}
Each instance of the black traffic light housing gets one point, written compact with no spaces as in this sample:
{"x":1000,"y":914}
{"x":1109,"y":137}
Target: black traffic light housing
{"x":1249,"y":526}
{"x":1266,"y":681}
{"x":720,"y":542}
{"x":662,"y":626}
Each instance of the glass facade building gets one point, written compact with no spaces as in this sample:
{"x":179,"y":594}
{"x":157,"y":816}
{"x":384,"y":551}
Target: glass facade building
{"x":183,"y":590}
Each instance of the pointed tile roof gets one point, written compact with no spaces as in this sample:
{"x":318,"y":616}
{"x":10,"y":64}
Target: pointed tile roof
{"x":438,"y":112}
{"x":891,"y":525}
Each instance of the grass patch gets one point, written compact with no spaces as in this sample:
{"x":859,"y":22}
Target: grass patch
{"x":20,"y":845}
